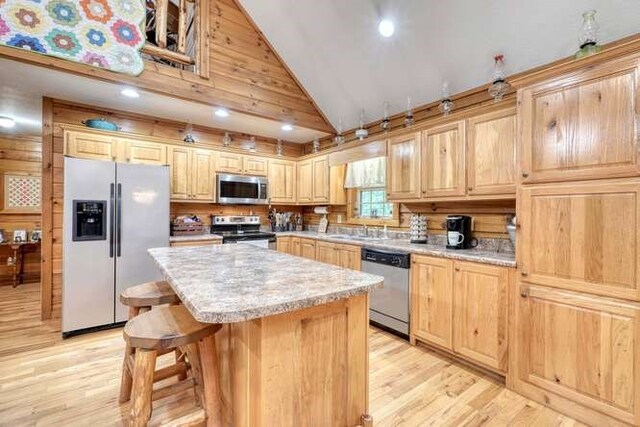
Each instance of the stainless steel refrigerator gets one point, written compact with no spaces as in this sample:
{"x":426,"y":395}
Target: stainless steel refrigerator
{"x":113,"y":213}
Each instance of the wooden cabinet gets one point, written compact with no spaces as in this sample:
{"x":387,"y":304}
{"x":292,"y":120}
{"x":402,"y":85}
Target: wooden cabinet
{"x":283,"y":244}
{"x":491,"y":153}
{"x":337,"y":192}
{"x":313,"y":180}
{"x":480,"y":313}
{"x":443,"y":157}
{"x":295,"y":246}
{"x":191,"y":171}
{"x":432,"y":300}
{"x":582,"y":236}
{"x":282,"y":181}
{"x":252,"y":165}
{"x":149,"y":153}
{"x":403,"y":167}
{"x":320,"y":179}
{"x":228,"y":162}
{"x":89,"y":145}
{"x":462,"y":307}
{"x":581,"y":126}
{"x":578,"y":353}
{"x":326,"y":252}
{"x":348,"y":256}
{"x":239,"y":164}
{"x":308,"y":248}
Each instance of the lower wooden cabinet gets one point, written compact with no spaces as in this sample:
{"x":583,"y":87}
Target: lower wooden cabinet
{"x":308,"y":248}
{"x":326,"y":252}
{"x":578,"y":354}
{"x":283,"y":244}
{"x":462,"y":307}
{"x":346,"y":256}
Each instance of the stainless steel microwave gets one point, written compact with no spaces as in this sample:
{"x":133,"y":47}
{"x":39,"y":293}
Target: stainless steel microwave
{"x":242,"y":190}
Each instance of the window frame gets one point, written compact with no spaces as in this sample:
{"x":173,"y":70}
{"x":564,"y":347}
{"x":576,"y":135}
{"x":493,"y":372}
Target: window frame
{"x":352,"y":208}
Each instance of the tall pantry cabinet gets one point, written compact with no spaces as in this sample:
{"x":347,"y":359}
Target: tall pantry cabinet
{"x":577,"y":306}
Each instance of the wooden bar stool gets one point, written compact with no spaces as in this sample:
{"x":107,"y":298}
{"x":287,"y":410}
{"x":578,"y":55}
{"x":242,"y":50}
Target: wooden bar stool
{"x":141,"y":298}
{"x":165,"y":329}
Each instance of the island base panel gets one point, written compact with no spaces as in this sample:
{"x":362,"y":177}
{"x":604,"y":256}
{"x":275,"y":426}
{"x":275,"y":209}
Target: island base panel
{"x":306,"y":367}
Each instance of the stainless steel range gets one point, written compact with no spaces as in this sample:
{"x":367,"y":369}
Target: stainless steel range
{"x":244,"y":229}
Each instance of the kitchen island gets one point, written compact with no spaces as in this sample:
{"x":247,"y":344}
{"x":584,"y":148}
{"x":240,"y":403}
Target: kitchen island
{"x":294,"y":347}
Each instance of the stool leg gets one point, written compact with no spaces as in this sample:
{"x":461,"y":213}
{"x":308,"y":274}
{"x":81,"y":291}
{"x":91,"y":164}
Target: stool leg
{"x":193,"y":355}
{"x":179,"y":355}
{"x":142,"y":387}
{"x":211,"y":381}
{"x":126,"y":379}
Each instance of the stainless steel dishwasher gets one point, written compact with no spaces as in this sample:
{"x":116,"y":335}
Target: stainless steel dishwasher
{"x":389,"y":305}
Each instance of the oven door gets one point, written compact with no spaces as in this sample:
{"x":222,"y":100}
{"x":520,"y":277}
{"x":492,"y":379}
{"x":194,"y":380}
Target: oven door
{"x":239,"y":189}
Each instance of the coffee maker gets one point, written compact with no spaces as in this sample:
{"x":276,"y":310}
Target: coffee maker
{"x":459,"y":232}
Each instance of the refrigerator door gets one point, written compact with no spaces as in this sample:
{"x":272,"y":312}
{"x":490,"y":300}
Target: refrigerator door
{"x":88,"y":269}
{"x":142,"y":223}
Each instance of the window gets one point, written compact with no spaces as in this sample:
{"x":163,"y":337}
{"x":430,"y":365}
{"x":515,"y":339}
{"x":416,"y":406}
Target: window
{"x":372,"y":203}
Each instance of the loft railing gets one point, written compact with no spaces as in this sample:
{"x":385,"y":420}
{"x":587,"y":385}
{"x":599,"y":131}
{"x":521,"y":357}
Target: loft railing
{"x":177,"y":34}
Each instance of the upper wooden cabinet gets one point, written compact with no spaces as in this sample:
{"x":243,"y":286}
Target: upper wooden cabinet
{"x":252,"y":165}
{"x":149,"y":153}
{"x":313,"y":180}
{"x":192,"y":174}
{"x":337,"y":192}
{"x":582,"y":126}
{"x":282,"y":181}
{"x":582,"y":236}
{"x":403,"y":167}
{"x":90,"y":145}
{"x":432,"y":300}
{"x":443,"y":154}
{"x":578,"y":353}
{"x":480,"y":313}
{"x":491,"y":153}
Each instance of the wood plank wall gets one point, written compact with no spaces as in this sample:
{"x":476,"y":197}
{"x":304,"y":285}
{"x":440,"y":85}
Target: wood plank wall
{"x":489,"y":217}
{"x":20,"y":154}
{"x":245,"y":73}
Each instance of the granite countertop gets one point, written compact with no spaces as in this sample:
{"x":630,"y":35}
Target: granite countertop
{"x":195,"y":238}
{"x":235,"y":283}
{"x":503,"y":259}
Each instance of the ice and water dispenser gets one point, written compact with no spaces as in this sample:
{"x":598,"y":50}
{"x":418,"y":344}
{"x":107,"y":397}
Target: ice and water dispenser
{"x":89,"y":220}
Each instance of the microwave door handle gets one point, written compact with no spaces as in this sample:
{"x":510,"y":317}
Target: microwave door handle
{"x":112,"y":217}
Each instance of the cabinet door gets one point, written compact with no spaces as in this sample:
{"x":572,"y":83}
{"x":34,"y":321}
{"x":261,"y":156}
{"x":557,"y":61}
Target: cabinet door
{"x":321,"y":179}
{"x":203,"y":175}
{"x":582,"y":236}
{"x":481,"y":303}
{"x":580,"y":348}
{"x":581,"y":126}
{"x":282,"y":180}
{"x":443,"y":155}
{"x":403,"y":167}
{"x":149,"y":153}
{"x":228,"y":162}
{"x":326,"y":252}
{"x":432,"y":300}
{"x":91,"y":146}
{"x":283,"y":244}
{"x":308,"y":248}
{"x":491,"y":153}
{"x":254,"y":165}
{"x":295,"y":246}
{"x":180,"y":170}
{"x":337,"y":192}
{"x":348,"y":256}
{"x":305,"y":181}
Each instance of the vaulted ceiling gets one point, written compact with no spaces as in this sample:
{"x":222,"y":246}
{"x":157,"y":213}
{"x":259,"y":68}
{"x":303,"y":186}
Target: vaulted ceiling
{"x":335,"y":51}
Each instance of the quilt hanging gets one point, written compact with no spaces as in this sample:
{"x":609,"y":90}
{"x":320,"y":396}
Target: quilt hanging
{"x":103,"y":33}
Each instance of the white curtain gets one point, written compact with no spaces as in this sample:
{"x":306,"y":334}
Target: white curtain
{"x":367,"y":173}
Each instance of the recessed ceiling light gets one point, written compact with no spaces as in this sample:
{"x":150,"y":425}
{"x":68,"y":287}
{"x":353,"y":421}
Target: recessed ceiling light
{"x":7,"y":122}
{"x":130,"y":93}
{"x":221,"y":112}
{"x":287,"y":127}
{"x":386,"y":28}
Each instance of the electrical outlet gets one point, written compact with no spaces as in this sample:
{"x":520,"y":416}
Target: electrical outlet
{"x":339,"y":219}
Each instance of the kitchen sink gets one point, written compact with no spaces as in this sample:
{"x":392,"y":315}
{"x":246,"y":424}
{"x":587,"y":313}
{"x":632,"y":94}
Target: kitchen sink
{"x":358,"y":238}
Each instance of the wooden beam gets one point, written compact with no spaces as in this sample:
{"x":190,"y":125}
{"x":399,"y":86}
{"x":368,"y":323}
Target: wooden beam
{"x":203,"y":36}
{"x":46,"y":202}
{"x":182,"y":27}
{"x":162,"y":14}
{"x":167,"y":54}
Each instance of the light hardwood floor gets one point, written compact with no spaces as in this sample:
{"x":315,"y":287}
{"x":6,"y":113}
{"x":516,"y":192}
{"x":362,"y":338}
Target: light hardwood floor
{"x":47,"y":381}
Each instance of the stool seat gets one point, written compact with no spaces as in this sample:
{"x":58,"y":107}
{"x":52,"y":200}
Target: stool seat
{"x":149,"y":294}
{"x":165,"y":328}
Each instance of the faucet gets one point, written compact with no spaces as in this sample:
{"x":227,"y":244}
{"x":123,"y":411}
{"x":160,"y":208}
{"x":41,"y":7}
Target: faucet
{"x":365,"y":230}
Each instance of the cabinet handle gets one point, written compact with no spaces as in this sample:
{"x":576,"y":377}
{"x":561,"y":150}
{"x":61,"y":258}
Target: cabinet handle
{"x":470,"y":189}
{"x":524,"y":273}
{"x":457,"y":269}
{"x":525,"y":175}
{"x":524,"y":293}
